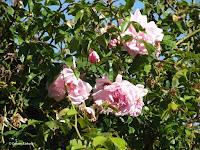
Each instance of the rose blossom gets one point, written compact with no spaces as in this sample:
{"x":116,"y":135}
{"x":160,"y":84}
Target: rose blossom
{"x":77,"y":89}
{"x":153,"y":34}
{"x":113,"y":42}
{"x":122,"y":94}
{"x":93,"y":57}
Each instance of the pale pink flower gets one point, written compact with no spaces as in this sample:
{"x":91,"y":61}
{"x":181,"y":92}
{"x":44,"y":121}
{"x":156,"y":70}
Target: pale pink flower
{"x":77,"y":89}
{"x":113,"y":42}
{"x":122,"y":94}
{"x":89,"y":111}
{"x":93,"y":57}
{"x":153,"y":34}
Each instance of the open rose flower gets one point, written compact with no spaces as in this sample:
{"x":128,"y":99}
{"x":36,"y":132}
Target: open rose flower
{"x":93,"y":57}
{"x":77,"y":89}
{"x":122,"y":94}
{"x":153,"y":35}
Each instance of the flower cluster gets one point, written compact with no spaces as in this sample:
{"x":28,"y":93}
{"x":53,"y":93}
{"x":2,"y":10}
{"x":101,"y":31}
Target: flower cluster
{"x":122,"y":94}
{"x":153,"y":35}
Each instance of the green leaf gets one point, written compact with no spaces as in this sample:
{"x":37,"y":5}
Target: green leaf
{"x":74,"y":43}
{"x":1,"y":51}
{"x":138,"y":27}
{"x":181,"y":26}
{"x":82,"y":123}
{"x":174,"y":106}
{"x":147,"y":69}
{"x":113,"y":29}
{"x":150,"y":48}
{"x":99,"y":6}
{"x":119,"y":142}
{"x":129,"y":120}
{"x":32,"y":122}
{"x":129,"y":3}
{"x":8,"y":132}
{"x":68,"y":60}
{"x":63,"y":112}
{"x":102,"y":41}
{"x":30,"y":77}
{"x":169,"y":41}
{"x":90,"y":135}
{"x":99,"y":140}
{"x":188,"y":133}
{"x":53,"y":125}
{"x":71,"y":112}
{"x":53,"y":73}
{"x":79,"y":15}
{"x":9,"y":10}
{"x":31,"y":5}
{"x":187,"y":97}
{"x":131,"y":130}
{"x":59,"y":37}
{"x":190,"y":106}
{"x":124,"y":26}
{"x":75,"y":147}
{"x":127,"y":38}
{"x":180,"y":73}
{"x":76,"y":73}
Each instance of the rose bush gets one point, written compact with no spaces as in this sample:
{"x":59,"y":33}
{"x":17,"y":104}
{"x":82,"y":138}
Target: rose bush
{"x":87,"y":105}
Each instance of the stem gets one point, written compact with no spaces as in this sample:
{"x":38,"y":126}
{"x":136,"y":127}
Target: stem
{"x":75,"y":125}
{"x":188,"y":36}
{"x":171,"y":6}
{"x":2,"y":129}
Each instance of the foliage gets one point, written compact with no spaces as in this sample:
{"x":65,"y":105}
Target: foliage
{"x":35,"y":41}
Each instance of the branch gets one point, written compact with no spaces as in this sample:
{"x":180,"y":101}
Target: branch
{"x":171,"y":6}
{"x":188,"y":36}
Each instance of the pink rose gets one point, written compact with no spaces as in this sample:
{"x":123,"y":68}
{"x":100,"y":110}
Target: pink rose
{"x":93,"y":57}
{"x":77,"y":89}
{"x":113,"y":42}
{"x":122,"y":94}
{"x":153,"y":34}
